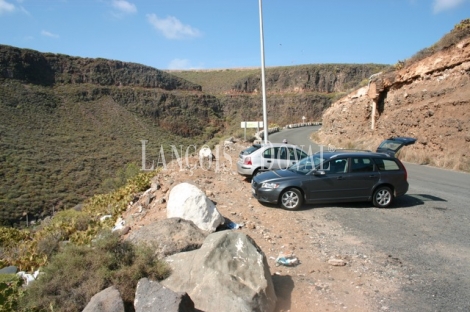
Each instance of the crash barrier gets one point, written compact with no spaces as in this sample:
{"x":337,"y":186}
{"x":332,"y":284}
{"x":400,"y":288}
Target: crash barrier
{"x":260,"y":134}
{"x":303,"y":124}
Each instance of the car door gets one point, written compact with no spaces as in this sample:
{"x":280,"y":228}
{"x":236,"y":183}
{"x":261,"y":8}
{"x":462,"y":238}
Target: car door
{"x":269,"y":159}
{"x":330,"y":184}
{"x":282,"y":160}
{"x":391,"y":146}
{"x":363,"y":177}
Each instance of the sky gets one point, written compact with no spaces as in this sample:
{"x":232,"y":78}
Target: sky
{"x":220,"y":34}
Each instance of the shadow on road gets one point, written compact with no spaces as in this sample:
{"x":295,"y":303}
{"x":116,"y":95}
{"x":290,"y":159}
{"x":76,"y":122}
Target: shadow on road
{"x":405,"y":201}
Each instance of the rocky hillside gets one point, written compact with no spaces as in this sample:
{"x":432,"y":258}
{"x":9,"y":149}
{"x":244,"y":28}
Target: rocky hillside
{"x":71,"y":127}
{"x":291,"y":92}
{"x":321,"y":78}
{"x":428,"y":100}
{"x":49,"y":69}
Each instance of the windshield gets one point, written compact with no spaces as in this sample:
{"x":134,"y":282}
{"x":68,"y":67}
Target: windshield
{"x":308,"y":164}
{"x":250,"y":149}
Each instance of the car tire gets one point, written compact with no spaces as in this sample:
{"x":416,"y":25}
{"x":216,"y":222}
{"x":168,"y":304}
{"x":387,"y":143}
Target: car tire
{"x":291,"y":199}
{"x":256,"y":172}
{"x":383,"y":197}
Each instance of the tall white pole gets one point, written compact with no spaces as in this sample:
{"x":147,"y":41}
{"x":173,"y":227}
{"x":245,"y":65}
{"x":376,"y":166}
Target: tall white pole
{"x":263,"y":83}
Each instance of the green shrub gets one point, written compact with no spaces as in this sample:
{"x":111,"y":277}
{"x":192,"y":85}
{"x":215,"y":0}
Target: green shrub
{"x":11,"y":292}
{"x":77,"y":273}
{"x":121,"y":178}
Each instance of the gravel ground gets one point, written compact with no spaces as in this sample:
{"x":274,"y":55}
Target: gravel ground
{"x":337,"y":270}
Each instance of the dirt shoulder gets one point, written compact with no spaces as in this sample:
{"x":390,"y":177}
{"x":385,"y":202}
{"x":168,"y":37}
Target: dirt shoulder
{"x":353,"y":281}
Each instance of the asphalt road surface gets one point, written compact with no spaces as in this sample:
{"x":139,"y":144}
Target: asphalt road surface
{"x":426,"y":232}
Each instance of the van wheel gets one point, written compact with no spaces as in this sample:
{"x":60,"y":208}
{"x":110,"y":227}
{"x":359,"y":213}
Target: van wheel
{"x":383,"y":197}
{"x":291,"y":199}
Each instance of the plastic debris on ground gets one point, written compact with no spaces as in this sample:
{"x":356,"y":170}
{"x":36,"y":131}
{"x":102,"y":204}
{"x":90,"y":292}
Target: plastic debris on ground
{"x":230,"y":225}
{"x":233,"y":226}
{"x":287,"y":260}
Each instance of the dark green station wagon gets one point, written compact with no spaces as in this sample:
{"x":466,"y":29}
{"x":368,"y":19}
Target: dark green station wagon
{"x":337,"y":176}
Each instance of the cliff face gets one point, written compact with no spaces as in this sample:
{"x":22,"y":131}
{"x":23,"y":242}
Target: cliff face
{"x":48,"y":69}
{"x":322,"y":78}
{"x":429,"y":100}
{"x":291,"y":92}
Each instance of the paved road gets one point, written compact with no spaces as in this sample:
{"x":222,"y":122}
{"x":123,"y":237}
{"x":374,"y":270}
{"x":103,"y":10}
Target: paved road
{"x":426,"y":233}
{"x":298,"y":136}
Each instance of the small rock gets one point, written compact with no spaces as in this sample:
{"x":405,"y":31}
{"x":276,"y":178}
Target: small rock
{"x":337,"y":262}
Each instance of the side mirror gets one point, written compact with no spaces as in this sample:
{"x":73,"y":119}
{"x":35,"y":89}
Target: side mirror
{"x":319,"y":173}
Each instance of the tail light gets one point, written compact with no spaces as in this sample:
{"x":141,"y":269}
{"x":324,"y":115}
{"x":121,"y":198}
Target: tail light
{"x":247,"y":161}
{"x":404,"y":169}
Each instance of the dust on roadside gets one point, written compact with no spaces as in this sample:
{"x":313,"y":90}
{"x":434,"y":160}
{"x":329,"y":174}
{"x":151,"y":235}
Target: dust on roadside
{"x":337,"y":272}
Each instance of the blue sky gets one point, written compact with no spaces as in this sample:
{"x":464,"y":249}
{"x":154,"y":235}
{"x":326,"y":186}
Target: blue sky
{"x":216,"y":34}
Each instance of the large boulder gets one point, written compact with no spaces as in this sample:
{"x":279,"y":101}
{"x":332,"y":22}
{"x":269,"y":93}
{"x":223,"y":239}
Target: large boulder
{"x":228,"y":273}
{"x":188,"y":202}
{"x":169,"y":236}
{"x":107,"y":300}
{"x":151,"y":296}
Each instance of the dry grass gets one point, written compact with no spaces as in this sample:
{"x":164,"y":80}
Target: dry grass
{"x":449,"y":160}
{"x":79,"y":272}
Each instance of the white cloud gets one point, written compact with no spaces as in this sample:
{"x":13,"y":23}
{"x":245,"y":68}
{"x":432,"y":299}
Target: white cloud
{"x":49,"y":34}
{"x":6,"y":7}
{"x":172,"y":28}
{"x":181,"y":64}
{"x":442,"y":5}
{"x":124,"y":6}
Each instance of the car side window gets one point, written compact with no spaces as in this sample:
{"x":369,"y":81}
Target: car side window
{"x":301,"y":154}
{"x":361,"y":164}
{"x":292,"y":155}
{"x":270,"y":152}
{"x":339,"y":165}
{"x":267,"y":153}
{"x":296,"y":154}
{"x":386,"y":164}
{"x":282,"y":153}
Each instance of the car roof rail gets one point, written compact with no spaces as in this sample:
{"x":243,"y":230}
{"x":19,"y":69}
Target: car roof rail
{"x":345,"y":150}
{"x":352,"y":150}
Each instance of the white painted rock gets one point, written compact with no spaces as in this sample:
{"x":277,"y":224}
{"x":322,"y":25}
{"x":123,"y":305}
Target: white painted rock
{"x":188,"y":202}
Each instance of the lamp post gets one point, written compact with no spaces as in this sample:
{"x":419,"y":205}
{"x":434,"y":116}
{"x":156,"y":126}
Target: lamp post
{"x":263,"y":83}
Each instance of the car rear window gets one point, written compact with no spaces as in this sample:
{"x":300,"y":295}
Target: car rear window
{"x":386,"y":164}
{"x":250,"y":150}
{"x":390,"y":144}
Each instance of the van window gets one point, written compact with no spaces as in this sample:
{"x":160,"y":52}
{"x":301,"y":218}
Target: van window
{"x":386,"y":164}
{"x":361,"y":164}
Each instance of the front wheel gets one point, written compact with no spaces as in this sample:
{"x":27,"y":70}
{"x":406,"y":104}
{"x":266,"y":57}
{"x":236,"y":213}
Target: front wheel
{"x":383,"y":197}
{"x":291,"y":199}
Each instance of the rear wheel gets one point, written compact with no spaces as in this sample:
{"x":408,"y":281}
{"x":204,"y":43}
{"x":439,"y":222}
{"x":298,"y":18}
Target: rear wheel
{"x":383,"y":197}
{"x":291,"y":199}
